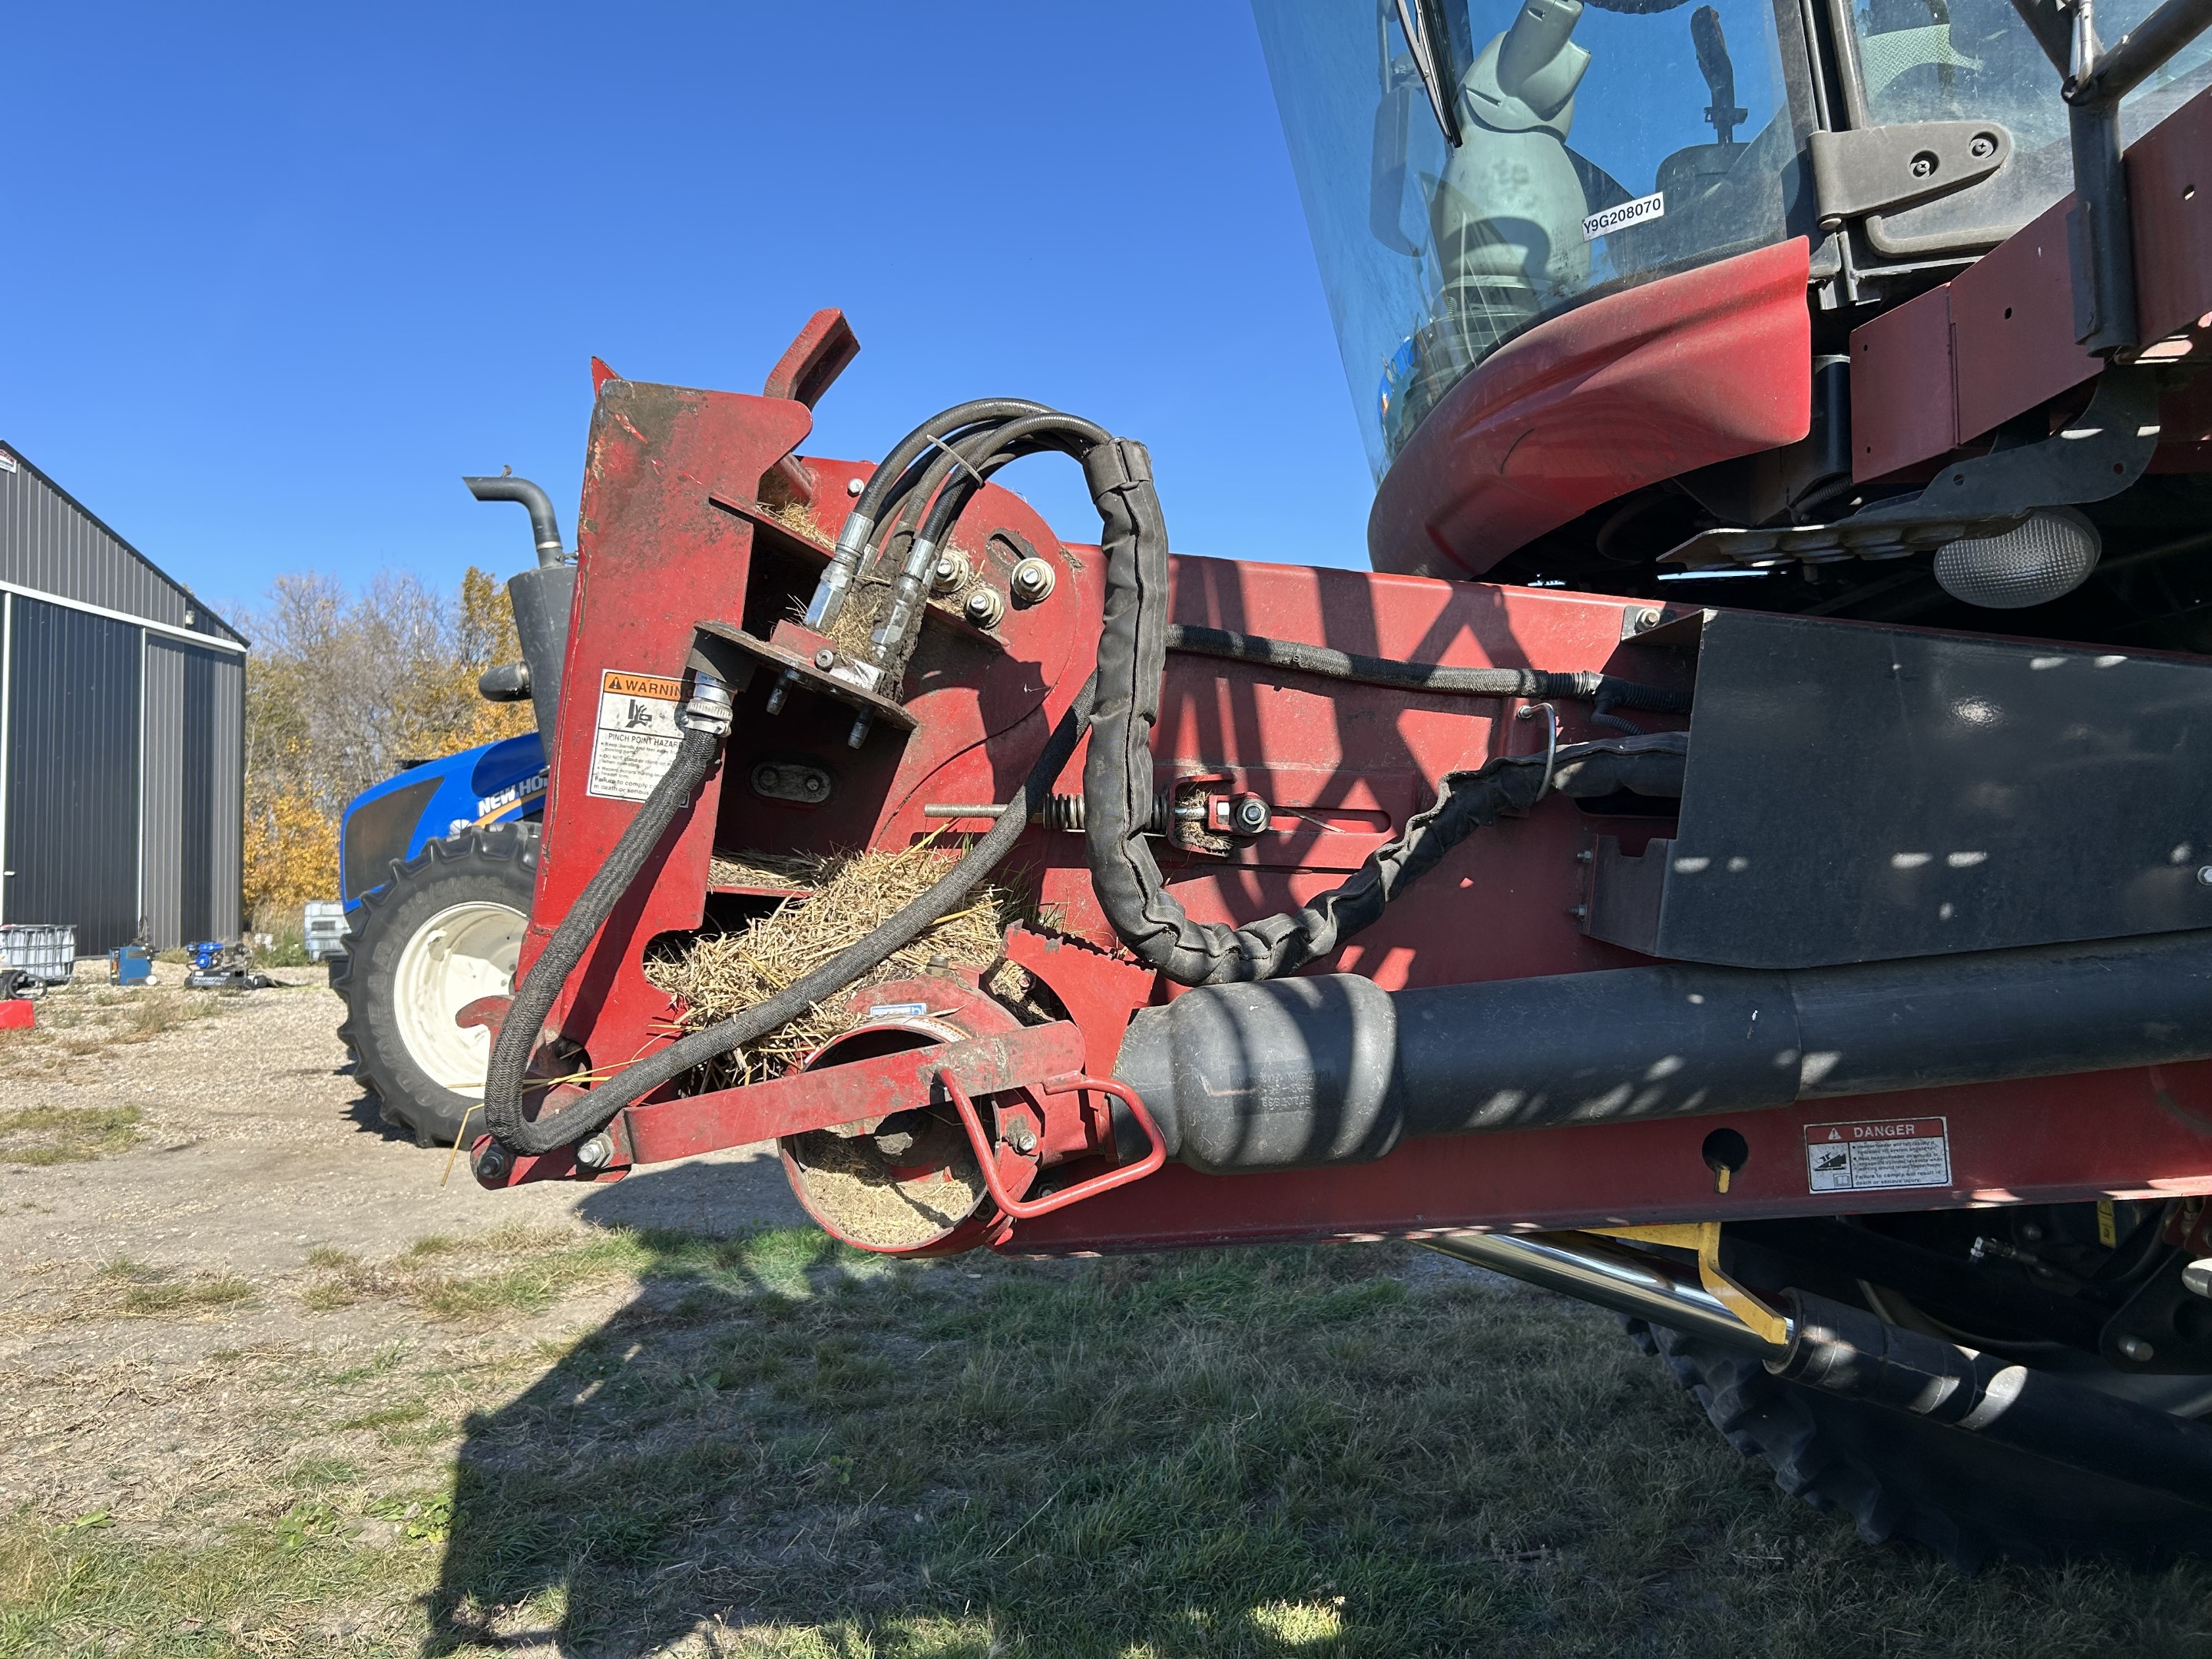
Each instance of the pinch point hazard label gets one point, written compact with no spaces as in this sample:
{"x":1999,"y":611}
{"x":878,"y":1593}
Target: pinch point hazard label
{"x":1878,"y":1154}
{"x":635,"y":739}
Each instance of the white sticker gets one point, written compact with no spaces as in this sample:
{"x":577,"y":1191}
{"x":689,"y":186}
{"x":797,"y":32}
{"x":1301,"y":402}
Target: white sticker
{"x":635,"y":741}
{"x":1621,"y":214}
{"x":898,"y":1011}
{"x":7,"y":462}
{"x":1879,"y":1155}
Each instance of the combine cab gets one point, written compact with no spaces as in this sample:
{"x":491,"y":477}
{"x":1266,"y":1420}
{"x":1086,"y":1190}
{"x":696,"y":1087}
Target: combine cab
{"x":1744,"y":858}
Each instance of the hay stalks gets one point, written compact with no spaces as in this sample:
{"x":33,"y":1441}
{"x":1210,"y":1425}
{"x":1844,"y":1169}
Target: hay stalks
{"x":719,"y":974}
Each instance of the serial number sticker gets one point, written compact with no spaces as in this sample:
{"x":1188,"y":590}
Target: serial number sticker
{"x":1878,"y":1156}
{"x":898,"y":1011}
{"x":1621,"y":214}
{"x":635,"y":739}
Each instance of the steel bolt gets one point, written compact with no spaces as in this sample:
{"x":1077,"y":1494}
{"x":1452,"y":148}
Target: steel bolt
{"x":2196,"y":1277}
{"x":1020,"y":1136}
{"x":596,"y":1153}
{"x":1033,"y":579}
{"x":1924,"y":165}
{"x":766,"y":777}
{"x":1649,"y":618}
{"x":984,"y":607}
{"x":855,"y":486}
{"x":949,"y":572}
{"x":1981,"y":147}
{"x":1252,"y":815}
{"x":813,"y":784}
{"x":825,"y":658}
{"x":492,"y":1163}
{"x":2135,"y":1348}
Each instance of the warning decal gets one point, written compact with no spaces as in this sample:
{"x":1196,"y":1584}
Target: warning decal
{"x":634,"y":742}
{"x":1858,"y":1157}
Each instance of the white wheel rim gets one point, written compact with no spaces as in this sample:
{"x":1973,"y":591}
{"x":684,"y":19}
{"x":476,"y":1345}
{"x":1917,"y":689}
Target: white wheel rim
{"x":463,"y":952}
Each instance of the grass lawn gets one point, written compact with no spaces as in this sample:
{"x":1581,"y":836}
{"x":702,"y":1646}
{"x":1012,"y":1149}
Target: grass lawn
{"x":777,"y":1447}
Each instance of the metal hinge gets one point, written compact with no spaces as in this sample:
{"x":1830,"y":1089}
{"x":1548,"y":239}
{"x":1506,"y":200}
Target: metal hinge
{"x":1882,"y":169}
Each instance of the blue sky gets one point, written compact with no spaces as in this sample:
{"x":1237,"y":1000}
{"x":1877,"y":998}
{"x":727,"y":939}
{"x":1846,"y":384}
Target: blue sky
{"x":277,"y":276}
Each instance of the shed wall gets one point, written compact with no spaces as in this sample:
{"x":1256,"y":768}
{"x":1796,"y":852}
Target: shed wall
{"x":72,"y":762}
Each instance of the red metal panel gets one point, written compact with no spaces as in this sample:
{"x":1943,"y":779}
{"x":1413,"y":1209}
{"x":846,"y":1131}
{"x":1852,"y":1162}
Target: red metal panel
{"x":2011,"y":313}
{"x":2012,"y":327}
{"x":1902,"y":408}
{"x":2170,"y":193}
{"x":2143,"y":1133}
{"x":1638,"y":386}
{"x":849,"y":1093}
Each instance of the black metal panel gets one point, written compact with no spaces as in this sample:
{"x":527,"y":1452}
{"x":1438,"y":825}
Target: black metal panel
{"x":1856,"y":794}
{"x":381,"y":832}
{"x":195,"y":829}
{"x":72,"y":842}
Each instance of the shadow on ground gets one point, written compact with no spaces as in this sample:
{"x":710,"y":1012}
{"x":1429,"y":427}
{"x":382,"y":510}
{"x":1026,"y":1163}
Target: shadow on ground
{"x":779,"y":1446}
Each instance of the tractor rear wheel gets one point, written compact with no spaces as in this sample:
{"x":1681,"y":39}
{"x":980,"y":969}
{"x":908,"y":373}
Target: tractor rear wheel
{"x":443,"y":932}
{"x":1902,"y":1477}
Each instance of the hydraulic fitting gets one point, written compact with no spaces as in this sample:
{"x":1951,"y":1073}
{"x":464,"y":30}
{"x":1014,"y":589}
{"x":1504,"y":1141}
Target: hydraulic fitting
{"x":709,"y":708}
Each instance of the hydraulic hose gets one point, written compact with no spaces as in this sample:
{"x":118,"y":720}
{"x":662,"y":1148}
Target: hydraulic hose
{"x":1117,"y":779}
{"x":533,"y":999}
{"x":1319,"y":660}
{"x":573,"y":1122}
{"x":897,"y":474}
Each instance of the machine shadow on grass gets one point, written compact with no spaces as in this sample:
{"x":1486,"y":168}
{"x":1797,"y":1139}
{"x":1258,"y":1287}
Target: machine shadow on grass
{"x":788,"y":1448}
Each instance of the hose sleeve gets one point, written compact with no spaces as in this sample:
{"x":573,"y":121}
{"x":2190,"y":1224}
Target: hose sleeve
{"x":534,"y":998}
{"x":1117,"y":779}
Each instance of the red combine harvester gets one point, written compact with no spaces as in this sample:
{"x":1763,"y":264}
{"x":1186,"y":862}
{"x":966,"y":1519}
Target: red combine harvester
{"x":1744,"y":858}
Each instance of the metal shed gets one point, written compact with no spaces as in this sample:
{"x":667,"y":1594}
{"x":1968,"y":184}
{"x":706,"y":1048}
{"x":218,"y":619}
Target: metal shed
{"x":122,"y":732}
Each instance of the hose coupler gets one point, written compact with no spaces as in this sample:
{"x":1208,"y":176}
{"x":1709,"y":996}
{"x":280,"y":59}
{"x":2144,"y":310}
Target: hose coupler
{"x":710,"y":707}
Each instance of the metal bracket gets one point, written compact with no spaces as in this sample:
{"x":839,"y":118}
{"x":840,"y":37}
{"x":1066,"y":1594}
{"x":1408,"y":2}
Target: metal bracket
{"x":2099,"y":455}
{"x":1704,"y":1238}
{"x":1882,"y":169}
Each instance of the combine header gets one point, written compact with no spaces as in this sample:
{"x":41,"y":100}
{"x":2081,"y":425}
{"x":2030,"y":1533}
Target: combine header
{"x":1743,"y":858}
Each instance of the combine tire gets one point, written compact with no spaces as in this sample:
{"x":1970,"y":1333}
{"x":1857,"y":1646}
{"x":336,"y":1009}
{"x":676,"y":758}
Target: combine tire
{"x":1901,"y":1478}
{"x":444,"y":931}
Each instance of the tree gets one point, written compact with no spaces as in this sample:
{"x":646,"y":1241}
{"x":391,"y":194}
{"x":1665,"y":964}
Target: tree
{"x":341,"y":691}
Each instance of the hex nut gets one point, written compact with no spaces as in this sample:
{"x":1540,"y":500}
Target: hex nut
{"x":1032,"y":580}
{"x":984,"y":607}
{"x":595,"y":1152}
{"x":949,"y":573}
{"x":855,"y":486}
{"x":1252,"y":815}
{"x":825,"y":658}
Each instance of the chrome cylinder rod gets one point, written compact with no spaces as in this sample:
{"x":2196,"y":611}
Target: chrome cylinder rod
{"x":1612,"y":1275}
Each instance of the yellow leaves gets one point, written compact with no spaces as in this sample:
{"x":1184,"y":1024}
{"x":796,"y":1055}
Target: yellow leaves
{"x":345,"y":688}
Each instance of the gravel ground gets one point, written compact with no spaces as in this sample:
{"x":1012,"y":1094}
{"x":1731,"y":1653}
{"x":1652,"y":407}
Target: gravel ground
{"x":256,"y":1148}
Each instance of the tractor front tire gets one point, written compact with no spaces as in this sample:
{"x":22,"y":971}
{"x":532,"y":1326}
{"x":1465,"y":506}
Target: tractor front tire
{"x":443,"y":932}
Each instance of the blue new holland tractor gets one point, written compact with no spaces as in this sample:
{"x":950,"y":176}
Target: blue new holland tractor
{"x":435,"y":867}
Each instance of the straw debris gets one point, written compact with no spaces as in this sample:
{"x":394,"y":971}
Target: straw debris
{"x":847,"y":897}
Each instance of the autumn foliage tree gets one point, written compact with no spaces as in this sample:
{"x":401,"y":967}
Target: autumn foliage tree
{"x":341,"y":691}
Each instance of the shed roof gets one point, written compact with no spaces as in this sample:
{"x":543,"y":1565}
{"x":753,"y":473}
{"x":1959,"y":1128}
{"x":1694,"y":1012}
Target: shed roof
{"x":51,"y":544}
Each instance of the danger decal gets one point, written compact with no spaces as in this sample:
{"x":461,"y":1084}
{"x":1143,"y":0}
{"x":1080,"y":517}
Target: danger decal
{"x":1878,"y":1155}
